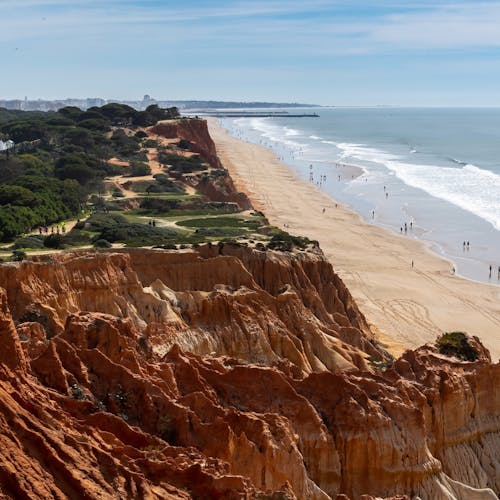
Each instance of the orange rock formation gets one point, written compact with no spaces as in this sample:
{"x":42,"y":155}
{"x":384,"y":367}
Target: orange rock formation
{"x":225,"y":372}
{"x":216,"y":188}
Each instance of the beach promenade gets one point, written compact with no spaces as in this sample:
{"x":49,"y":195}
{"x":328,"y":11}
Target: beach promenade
{"x":406,"y":306}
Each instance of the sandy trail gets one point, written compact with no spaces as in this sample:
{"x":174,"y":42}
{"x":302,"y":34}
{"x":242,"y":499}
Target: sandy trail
{"x":406,"y":306}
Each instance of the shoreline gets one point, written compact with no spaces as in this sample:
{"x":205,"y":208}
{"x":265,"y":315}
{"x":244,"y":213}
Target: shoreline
{"x":406,"y":306}
{"x":381,"y":196}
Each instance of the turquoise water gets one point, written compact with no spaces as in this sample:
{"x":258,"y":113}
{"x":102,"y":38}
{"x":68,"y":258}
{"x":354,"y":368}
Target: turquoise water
{"x":437,"y":170}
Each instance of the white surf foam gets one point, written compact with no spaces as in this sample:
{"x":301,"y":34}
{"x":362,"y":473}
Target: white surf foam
{"x":469,"y":187}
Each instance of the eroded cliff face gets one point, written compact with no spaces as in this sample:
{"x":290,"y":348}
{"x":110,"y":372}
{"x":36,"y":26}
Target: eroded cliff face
{"x":225,"y":372}
{"x":218,"y":187}
{"x":194,"y":130}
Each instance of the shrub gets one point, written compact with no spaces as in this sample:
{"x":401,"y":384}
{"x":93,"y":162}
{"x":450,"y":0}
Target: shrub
{"x":139,"y":169}
{"x":285,"y":242}
{"x":77,"y":392}
{"x":184,"y":144}
{"x":54,"y":241}
{"x":457,"y":344}
{"x":18,"y":255}
{"x":102,"y":244}
{"x":29,"y":242}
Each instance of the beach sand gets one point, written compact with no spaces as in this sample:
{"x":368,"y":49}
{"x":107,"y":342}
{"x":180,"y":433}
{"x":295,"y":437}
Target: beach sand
{"x":405,"y":306}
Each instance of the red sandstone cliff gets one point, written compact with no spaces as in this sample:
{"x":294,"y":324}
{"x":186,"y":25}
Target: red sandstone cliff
{"x":195,"y":131}
{"x":99,"y":396}
{"x":218,"y":187}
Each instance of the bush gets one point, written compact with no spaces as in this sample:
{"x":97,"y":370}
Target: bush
{"x":285,"y":242}
{"x":457,"y":344}
{"x":115,"y":228}
{"x":158,"y":205}
{"x":76,"y":238}
{"x":29,"y":242}
{"x":139,"y":169}
{"x":102,"y":244}
{"x":184,"y":144}
{"x":18,"y":255}
{"x":54,"y":241}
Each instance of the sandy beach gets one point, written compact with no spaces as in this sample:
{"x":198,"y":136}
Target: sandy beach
{"x":406,"y":306}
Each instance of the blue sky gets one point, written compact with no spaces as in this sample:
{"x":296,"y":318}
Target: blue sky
{"x":320,"y":51}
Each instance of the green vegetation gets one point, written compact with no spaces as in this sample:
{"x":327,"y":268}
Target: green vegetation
{"x":62,"y":157}
{"x":61,"y":168}
{"x":182,"y":164}
{"x":139,"y":169}
{"x":220,"y":222}
{"x":285,"y":242}
{"x":457,"y":344}
{"x":116,"y":228}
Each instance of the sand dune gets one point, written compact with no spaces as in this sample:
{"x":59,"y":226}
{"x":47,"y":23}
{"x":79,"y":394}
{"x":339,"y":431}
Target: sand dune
{"x":406,"y":306}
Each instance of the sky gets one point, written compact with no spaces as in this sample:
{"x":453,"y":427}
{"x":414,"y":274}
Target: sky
{"x":329,"y":52}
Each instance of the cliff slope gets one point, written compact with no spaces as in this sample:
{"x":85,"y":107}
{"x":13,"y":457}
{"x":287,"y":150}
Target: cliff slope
{"x":225,"y":372}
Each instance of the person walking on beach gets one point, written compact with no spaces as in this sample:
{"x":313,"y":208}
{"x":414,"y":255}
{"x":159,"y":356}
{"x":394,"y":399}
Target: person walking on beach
{"x":498,"y":275}
{"x":412,"y":264}
{"x":490,"y":270}
{"x":406,"y":228}
{"x":467,"y":245}
{"x":323,"y":210}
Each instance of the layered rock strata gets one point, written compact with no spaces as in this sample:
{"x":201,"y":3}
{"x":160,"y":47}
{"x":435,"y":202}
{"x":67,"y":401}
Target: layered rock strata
{"x":225,"y":372}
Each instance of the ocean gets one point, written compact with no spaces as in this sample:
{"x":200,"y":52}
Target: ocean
{"x":434,"y":171}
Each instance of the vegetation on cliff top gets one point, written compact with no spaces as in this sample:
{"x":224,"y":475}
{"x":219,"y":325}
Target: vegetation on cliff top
{"x":61,"y":158}
{"x":457,"y":344}
{"x":120,"y":183}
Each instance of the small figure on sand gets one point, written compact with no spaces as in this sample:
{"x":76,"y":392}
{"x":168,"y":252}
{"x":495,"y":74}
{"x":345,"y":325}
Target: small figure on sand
{"x":324,"y":210}
{"x":412,"y":263}
{"x":464,"y":246}
{"x":467,"y":245}
{"x":386,"y":195}
{"x":498,"y":275}
{"x":373,"y":214}
{"x":490,"y":271}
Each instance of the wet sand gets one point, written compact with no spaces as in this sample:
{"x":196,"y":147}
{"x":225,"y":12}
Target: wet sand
{"x":406,"y":306}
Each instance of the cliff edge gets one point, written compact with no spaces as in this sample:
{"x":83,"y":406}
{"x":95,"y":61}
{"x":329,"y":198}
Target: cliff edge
{"x":226,"y":372}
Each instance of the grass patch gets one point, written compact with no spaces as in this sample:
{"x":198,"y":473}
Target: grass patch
{"x":220,"y":222}
{"x":457,"y":344}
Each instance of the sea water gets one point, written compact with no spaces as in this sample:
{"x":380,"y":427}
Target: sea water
{"x":435,"y":170}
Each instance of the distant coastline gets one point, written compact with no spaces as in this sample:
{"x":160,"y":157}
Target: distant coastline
{"x":140,"y":105}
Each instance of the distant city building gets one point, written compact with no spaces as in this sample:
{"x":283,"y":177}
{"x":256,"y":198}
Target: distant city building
{"x":95,"y":101}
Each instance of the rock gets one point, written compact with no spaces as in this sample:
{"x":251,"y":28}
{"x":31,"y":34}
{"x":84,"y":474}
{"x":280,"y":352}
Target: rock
{"x":11,"y":352}
{"x":226,"y":373}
